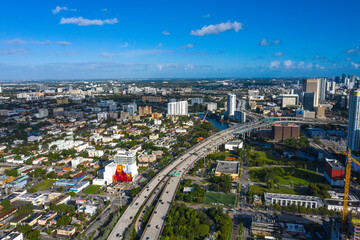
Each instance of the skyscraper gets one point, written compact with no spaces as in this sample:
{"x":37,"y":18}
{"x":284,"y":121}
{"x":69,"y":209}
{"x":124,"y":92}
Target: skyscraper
{"x":322,"y":88}
{"x":231,"y":104}
{"x":177,"y":108}
{"x":313,"y":86}
{"x":308,"y":101}
{"x":353,"y":134}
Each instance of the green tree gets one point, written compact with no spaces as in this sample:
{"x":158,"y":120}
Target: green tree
{"x":12,"y":172}
{"x":32,"y":190}
{"x":63,"y":220}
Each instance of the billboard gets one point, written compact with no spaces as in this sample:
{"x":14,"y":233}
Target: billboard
{"x":121,"y":175}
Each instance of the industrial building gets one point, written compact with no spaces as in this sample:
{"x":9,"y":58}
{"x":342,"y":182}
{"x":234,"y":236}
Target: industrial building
{"x":334,"y":172}
{"x":228,"y":167}
{"x":79,"y":186}
{"x":285,"y":131}
{"x":288,"y":200}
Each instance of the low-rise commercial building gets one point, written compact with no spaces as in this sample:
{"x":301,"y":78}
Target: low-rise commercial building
{"x":233,"y":145}
{"x":298,"y":200}
{"x":65,"y":230}
{"x":228,"y":167}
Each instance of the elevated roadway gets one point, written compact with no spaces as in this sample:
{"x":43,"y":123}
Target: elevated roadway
{"x":180,"y":165}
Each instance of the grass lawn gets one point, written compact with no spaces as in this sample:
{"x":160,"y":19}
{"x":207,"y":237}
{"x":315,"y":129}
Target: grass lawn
{"x":297,"y":176}
{"x":220,"y":155}
{"x":91,"y":189}
{"x":259,"y":158}
{"x":46,"y":184}
{"x":221,"y":198}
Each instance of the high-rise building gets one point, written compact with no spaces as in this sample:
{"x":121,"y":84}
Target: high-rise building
{"x":177,"y":108}
{"x":211,"y":106}
{"x":313,"y":86}
{"x":231,"y":104}
{"x":353,"y":133}
{"x":322,"y":88}
{"x":197,"y":100}
{"x":285,"y":131}
{"x":144,"y":110}
{"x":308,"y":100}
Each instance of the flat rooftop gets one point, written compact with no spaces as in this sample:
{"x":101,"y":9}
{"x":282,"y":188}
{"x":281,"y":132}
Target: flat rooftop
{"x":334,"y":163}
{"x":292,"y":197}
{"x":227,"y":167}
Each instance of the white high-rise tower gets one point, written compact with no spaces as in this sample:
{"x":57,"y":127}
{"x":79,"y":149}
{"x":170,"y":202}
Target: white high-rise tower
{"x":231,"y":104}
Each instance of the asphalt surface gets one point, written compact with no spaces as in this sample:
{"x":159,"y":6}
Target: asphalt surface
{"x":180,"y":165}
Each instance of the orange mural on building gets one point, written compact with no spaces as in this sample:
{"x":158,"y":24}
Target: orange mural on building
{"x":120,"y":175}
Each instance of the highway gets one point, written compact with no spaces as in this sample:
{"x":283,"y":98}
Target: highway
{"x":157,"y":220}
{"x":180,"y":165}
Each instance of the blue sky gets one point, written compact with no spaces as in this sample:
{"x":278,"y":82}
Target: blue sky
{"x":50,"y":39}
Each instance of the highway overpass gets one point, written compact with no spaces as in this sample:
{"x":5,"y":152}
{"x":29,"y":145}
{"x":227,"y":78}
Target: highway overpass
{"x":180,"y":166}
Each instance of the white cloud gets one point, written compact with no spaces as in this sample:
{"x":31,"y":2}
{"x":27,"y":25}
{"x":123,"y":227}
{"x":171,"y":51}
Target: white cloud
{"x":318,"y":66}
{"x":170,"y":66}
{"x":355,"y":65}
{"x":18,"y":41}
{"x":288,"y":63}
{"x":15,"y":41}
{"x":80,"y":21}
{"x":190,"y":45}
{"x":274,"y":64}
{"x":132,"y":53}
{"x":159,"y":45}
{"x":106,"y":54}
{"x":58,"y":9}
{"x":207,"y":15}
{"x":278,"y":54}
{"x":41,"y":42}
{"x":104,"y":10}
{"x":217,"y":28}
{"x":265,"y":42}
{"x":13,"y":52}
{"x":125,"y":45}
{"x":353,"y":51}
{"x":165,"y":32}
{"x":63,"y":43}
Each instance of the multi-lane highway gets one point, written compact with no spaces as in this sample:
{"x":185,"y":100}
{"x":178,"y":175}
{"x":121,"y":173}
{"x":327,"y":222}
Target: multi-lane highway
{"x":180,"y":165}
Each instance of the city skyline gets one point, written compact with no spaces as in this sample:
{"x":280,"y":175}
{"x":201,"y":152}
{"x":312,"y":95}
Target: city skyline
{"x":72,"y":40}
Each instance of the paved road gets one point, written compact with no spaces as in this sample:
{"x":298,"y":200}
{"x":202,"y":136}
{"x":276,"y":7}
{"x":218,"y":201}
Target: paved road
{"x":150,"y":201}
{"x":157,"y":221}
{"x":188,"y":156}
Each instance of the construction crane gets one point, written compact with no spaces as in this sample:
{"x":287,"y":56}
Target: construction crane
{"x":349,"y":160}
